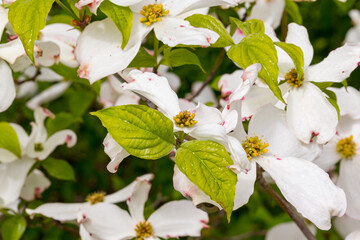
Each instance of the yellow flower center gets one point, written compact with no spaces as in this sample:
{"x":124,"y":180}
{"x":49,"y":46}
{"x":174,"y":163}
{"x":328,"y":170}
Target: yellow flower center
{"x":254,"y":146}
{"x":152,"y":13}
{"x":95,"y":198}
{"x":346,"y":147}
{"x":185,"y":119}
{"x":38,"y":147}
{"x":143,"y":230}
{"x":292,"y":79}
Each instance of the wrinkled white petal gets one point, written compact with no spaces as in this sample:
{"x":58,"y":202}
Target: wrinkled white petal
{"x":128,"y":191}
{"x":177,"y":219}
{"x":58,"y":211}
{"x":295,"y":178}
{"x":136,"y":202}
{"x":287,"y":230}
{"x":156,"y":89}
{"x":34,"y":185}
{"x":174,"y":31}
{"x":270,"y":124}
{"x":98,"y":60}
{"x":310,"y":113}
{"x":7,"y":87}
{"x":107,"y":221}
{"x":348,"y":100}
{"x":337,"y":66}
{"x":65,"y":36}
{"x":48,"y":95}
{"x":349,"y":181}
{"x":268,"y":11}
{"x":12,"y":178}
{"x":115,"y":152}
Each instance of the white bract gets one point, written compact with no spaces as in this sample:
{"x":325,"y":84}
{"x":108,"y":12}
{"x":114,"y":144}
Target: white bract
{"x":345,"y":147}
{"x":98,"y":60}
{"x":309,"y":113}
{"x":68,"y":212}
{"x":174,"y":219}
{"x":290,"y":167}
{"x":269,"y":11}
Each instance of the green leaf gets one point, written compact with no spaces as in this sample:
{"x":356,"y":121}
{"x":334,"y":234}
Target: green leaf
{"x":332,"y":100}
{"x":143,"y":132}
{"x":211,"y":23}
{"x":248,"y":27}
{"x":293,"y":10}
{"x":179,"y":57}
{"x":13,"y":228}
{"x":206,"y":163}
{"x":74,"y":9}
{"x":27,"y":18}
{"x":66,"y":19}
{"x":259,"y":48}
{"x":296,"y":55}
{"x":62,"y":121}
{"x":121,"y":16}
{"x":59,"y":169}
{"x":323,"y":85}
{"x":9,"y":139}
{"x":143,"y":59}
{"x":345,"y":84}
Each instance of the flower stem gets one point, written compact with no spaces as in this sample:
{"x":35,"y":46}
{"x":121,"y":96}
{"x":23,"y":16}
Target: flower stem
{"x":210,"y":76}
{"x":66,"y":9}
{"x":285,"y":205}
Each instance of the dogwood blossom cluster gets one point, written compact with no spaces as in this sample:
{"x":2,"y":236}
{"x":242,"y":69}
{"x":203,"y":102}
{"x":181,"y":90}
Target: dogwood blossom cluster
{"x":278,"y":119}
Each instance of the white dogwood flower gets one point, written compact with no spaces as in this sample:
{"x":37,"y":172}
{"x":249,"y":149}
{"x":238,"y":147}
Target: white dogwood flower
{"x":309,"y":113}
{"x":68,"y":212}
{"x":345,"y":147}
{"x":172,"y":220}
{"x":98,"y":60}
{"x":289,"y":165}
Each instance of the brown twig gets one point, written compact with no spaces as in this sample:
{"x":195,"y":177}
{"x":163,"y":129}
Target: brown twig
{"x":210,"y":76}
{"x":285,"y":205}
